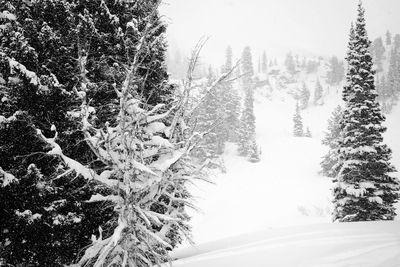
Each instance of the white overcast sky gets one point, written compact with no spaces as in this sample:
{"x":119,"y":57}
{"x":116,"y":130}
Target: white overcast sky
{"x":318,"y":26}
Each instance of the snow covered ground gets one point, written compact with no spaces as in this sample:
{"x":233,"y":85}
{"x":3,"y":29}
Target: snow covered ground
{"x":366,"y":244}
{"x":279,"y":208}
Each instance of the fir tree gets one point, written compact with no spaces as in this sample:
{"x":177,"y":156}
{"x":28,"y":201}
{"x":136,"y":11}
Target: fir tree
{"x":264,"y":64}
{"x":393,"y":76}
{"x":208,"y":120}
{"x":308,"y":133}
{"x":335,"y":73}
{"x":290,"y":64}
{"x":231,"y":102}
{"x":364,"y":190}
{"x":247,"y":125}
{"x":38,"y":93}
{"x":331,"y":139}
{"x":304,"y":97}
{"x":254,"y":154}
{"x":388,"y":38}
{"x":247,"y":68}
{"x":318,"y":92}
{"x":247,"y":119}
{"x":74,"y":118}
{"x":298,"y":123}
{"x":378,"y":52}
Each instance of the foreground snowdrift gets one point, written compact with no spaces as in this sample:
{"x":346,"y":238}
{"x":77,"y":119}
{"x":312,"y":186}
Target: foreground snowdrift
{"x":324,"y":245}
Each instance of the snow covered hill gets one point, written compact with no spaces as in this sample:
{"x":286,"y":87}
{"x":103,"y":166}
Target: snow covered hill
{"x":282,"y":204}
{"x":365,"y":244}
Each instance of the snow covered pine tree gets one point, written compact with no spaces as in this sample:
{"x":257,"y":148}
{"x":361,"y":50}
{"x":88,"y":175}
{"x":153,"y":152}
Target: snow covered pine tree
{"x":365,"y":188}
{"x":297,"y":123}
{"x":331,"y":139}
{"x":247,"y":131}
{"x":112,"y":122}
{"x":44,"y":218}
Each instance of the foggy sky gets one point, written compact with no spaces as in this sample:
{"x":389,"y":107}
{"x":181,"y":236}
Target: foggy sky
{"x":315,"y":26}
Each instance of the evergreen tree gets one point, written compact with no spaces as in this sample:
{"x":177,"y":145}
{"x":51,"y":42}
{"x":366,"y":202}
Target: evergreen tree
{"x":247,"y":119}
{"x":254,"y":154}
{"x":335,"y":73}
{"x":264,"y":64}
{"x":44,"y":214}
{"x":247,"y":125}
{"x":208,"y":121}
{"x":364,"y":190}
{"x":247,"y":68}
{"x":396,"y":42}
{"x":92,"y":76}
{"x":231,"y":102}
{"x":378,"y":52}
{"x":318,"y":92}
{"x":393,"y":76}
{"x":298,"y":123}
{"x":290,"y":64}
{"x":388,"y":38}
{"x":304,"y":97}
{"x":312,"y":66}
{"x":308,"y":133}
{"x":331,"y":139}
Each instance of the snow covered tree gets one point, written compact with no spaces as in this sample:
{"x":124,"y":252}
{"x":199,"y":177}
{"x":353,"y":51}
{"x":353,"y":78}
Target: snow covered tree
{"x":254,"y":154}
{"x":331,"y":139}
{"x":44,"y":214}
{"x":364,"y":188}
{"x":247,"y":130}
{"x":247,"y":68}
{"x":264,"y":63}
{"x":318,"y":92}
{"x":210,"y":118}
{"x":388,"y":38}
{"x":231,"y":102}
{"x":308,"y":133}
{"x":96,"y":147}
{"x":335,"y":73}
{"x":298,"y":123}
{"x":378,"y":52}
{"x":247,"y":118}
{"x":393,"y":75}
{"x":304,"y":97}
{"x":290,"y":64}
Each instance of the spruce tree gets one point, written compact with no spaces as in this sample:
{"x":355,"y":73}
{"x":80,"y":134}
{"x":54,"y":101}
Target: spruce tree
{"x":247,"y":68}
{"x":388,"y":38}
{"x":378,"y":52}
{"x":44,"y":214}
{"x":335,"y":73}
{"x":81,"y":81}
{"x":331,"y":139}
{"x":298,"y":123}
{"x":304,"y":97}
{"x":318,"y":92}
{"x":231,"y":102}
{"x":264,"y":64}
{"x":308,"y":133}
{"x":208,"y":121}
{"x":247,"y":125}
{"x":393,"y":76}
{"x":364,"y":189}
{"x":290,"y":64}
{"x":247,"y":118}
{"x":254,"y":154}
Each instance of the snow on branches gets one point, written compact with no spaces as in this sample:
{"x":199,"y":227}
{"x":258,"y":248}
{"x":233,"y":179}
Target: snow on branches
{"x":145,"y":153}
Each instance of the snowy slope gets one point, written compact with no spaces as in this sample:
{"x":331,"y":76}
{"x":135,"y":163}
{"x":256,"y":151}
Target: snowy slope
{"x":363,"y":244}
{"x":282,"y":204}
